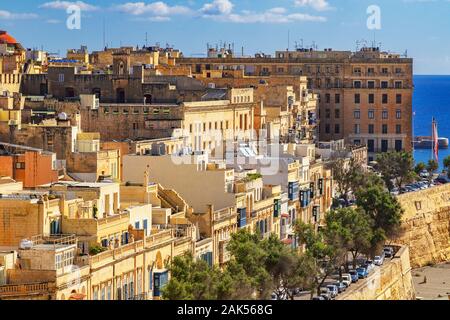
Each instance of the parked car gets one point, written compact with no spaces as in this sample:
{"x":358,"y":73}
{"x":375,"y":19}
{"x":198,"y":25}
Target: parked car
{"x":334,"y":290}
{"x":340,"y":286}
{"x":424,"y":174}
{"x":347,"y":279}
{"x":369,"y":266}
{"x":319,"y":298}
{"x":389,"y":252}
{"x":326,"y":293}
{"x":362,"y":272}
{"x":379,"y":260}
{"x":354,"y":275}
{"x":443,"y":179}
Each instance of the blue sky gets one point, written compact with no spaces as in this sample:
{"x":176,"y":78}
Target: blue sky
{"x":420,"y":26}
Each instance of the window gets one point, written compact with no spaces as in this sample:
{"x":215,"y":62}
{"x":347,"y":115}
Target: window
{"x":371,"y":129}
{"x":384,"y":114}
{"x":371,"y":145}
{"x":20,"y":165}
{"x":384,"y":146}
{"x":398,"y":129}
{"x":61,"y":77}
{"x":384,"y":128}
{"x":103,"y":293}
{"x":337,"y":128}
{"x":384,"y":98}
{"x":150,"y":279}
{"x":398,"y":84}
{"x":371,"y":114}
{"x":327,"y":98}
{"x":357,"y":128}
{"x":327,"y":113}
{"x":371,"y":84}
{"x":357,"y":84}
{"x":190,"y":128}
{"x":384,"y":84}
{"x":337,"y":113}
{"x":357,"y":98}
{"x":357,"y":114}
{"x":398,"y":70}
{"x":337,"y":98}
{"x":371,"y":98}
{"x":398,"y":114}
{"x":384,"y":70}
{"x":398,"y":145}
{"x":327,"y":128}
{"x":95,"y":293}
{"x":398,"y":98}
{"x":357,"y":142}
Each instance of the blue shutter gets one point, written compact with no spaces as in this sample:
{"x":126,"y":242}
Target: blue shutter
{"x":145,"y":226}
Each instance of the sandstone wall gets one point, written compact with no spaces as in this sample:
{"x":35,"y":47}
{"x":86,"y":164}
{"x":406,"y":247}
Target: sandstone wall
{"x":426,"y":225}
{"x":392,"y":282}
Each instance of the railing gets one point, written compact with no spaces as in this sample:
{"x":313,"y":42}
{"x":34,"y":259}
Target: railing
{"x":142,"y":296}
{"x":160,"y":237}
{"x":110,"y":219}
{"x":54,"y":240}
{"x":21,"y":289}
{"x":226,"y":213}
{"x":117,"y":253}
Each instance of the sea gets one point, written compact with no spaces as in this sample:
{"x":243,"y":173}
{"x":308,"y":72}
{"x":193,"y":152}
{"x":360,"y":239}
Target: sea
{"x":431,"y":99}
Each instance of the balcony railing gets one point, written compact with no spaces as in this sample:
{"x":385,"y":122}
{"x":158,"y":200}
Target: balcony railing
{"x":142,"y":296}
{"x":223,"y":214}
{"x":24,"y":289}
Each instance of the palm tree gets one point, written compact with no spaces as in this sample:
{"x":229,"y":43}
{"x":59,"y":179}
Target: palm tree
{"x":447,"y":165}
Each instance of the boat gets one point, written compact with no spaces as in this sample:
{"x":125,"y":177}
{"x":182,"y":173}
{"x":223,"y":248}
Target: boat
{"x":425,"y":142}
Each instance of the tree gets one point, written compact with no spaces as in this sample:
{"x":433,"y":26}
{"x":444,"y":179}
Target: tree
{"x":249,"y":254}
{"x":353,"y":227}
{"x":384,"y":210}
{"x":292,"y":271}
{"x":447,"y":165}
{"x":432,"y":167}
{"x":326,"y":254}
{"x":269,"y":265}
{"x":420,"y":167}
{"x":396,"y":168}
{"x":346,"y":176}
{"x":194,"y":279}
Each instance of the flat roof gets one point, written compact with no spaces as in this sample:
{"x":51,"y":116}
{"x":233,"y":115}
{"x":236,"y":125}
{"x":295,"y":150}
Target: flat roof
{"x":76,"y":184}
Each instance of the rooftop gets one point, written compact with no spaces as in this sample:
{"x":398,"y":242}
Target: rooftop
{"x":76,"y":184}
{"x":6,"y":38}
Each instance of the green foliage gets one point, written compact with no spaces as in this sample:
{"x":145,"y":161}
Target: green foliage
{"x":352,"y":229}
{"x":447,"y":165}
{"x":396,"y":168}
{"x":324,"y":249}
{"x":383,"y":209}
{"x":420,"y":167}
{"x":347,"y":176}
{"x":96,"y":250}
{"x":193,"y":279}
{"x":253,"y":176}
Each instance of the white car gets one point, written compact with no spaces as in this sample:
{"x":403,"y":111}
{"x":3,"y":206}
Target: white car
{"x":379,"y":260}
{"x":347,"y":279}
{"x":369,"y":266}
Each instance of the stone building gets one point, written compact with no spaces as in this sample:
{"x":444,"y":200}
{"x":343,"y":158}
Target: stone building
{"x":365,"y":96}
{"x":30,"y":166}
